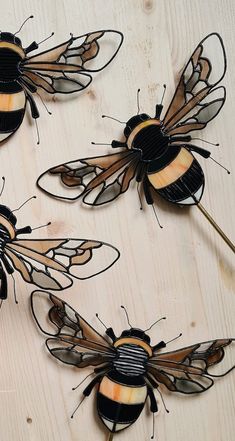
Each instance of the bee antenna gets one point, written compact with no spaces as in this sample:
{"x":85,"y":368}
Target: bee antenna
{"x":31,"y":16}
{"x":164,"y":91}
{"x":14,"y":289}
{"x":47,"y":38}
{"x":16,"y":209}
{"x":79,"y":404}
{"x":97,"y":315}
{"x":138,"y":101}
{"x":127,"y":316}
{"x":41,"y":226}
{"x":150,"y":327}
{"x":3,"y":185}
{"x":114,"y":119}
{"x":1,"y":302}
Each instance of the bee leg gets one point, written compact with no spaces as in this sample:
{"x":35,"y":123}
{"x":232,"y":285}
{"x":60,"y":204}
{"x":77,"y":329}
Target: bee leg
{"x":159,"y":107}
{"x":163,"y":344}
{"x":203,"y":152}
{"x":153,"y":401}
{"x":110,"y":333}
{"x":147,"y":192}
{"x":87,"y":391}
{"x":149,"y":199}
{"x":155,"y":385}
{"x":114,"y":144}
{"x":3,"y":284}
{"x":159,"y":346}
{"x":7,"y":264}
{"x":32,"y":47}
{"x":153,"y":406}
{"x":3,"y":280}
{"x":92,"y":384}
{"x":24,"y":230}
{"x":118,"y":144}
{"x":33,"y":107}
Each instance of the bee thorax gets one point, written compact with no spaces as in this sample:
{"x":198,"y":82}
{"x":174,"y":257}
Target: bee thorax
{"x":131,"y":360}
{"x":151,"y":142}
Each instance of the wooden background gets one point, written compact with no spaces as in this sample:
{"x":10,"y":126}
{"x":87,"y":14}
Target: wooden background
{"x":184,"y":271}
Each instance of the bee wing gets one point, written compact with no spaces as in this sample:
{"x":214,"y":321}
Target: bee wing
{"x":73,"y":355}
{"x":187,"y":370}
{"x":196,"y":100}
{"x":74,"y":340}
{"x":49,"y":263}
{"x":99,"y":179}
{"x":64,"y":69}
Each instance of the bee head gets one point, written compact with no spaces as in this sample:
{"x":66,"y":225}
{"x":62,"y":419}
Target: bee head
{"x":10,"y":38}
{"x":136,"y":333}
{"x":134,"y":122}
{"x":7,"y":213}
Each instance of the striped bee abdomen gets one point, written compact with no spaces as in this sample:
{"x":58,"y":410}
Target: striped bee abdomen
{"x":12,"y":96}
{"x":180,"y":179}
{"x":120,"y":400}
{"x":12,"y":109}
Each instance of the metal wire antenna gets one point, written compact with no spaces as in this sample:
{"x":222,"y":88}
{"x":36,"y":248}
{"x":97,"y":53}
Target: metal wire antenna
{"x":216,"y":226}
{"x":25,"y":202}
{"x":31,"y":16}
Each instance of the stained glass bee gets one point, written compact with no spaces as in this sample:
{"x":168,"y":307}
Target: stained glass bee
{"x":64,"y":69}
{"x":48,"y":263}
{"x":128,"y":368}
{"x":157,"y":152}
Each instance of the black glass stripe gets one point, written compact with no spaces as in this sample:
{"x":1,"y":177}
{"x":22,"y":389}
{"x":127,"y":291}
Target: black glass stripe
{"x":119,"y":378}
{"x":160,"y":163}
{"x":118,"y":412}
{"x":185,"y":186}
{"x":10,"y":121}
{"x":10,"y":87}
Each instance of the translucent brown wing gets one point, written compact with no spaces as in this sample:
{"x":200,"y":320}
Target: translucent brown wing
{"x":49,"y":263}
{"x":98,"y":179}
{"x":187,"y":370}
{"x":196,"y":100}
{"x":76,"y":354}
{"x":64,"y":69}
{"x":74,"y":341}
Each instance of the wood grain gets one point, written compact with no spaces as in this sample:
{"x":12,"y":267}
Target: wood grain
{"x":184,"y":271}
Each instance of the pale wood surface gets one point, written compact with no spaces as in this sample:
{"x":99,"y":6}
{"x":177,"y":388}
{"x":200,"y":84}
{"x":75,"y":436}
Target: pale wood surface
{"x":184,"y":271}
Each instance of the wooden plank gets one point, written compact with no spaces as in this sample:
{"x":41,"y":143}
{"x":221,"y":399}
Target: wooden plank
{"x":183,"y":271}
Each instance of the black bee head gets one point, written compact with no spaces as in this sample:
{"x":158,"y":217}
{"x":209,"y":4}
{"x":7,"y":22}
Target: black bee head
{"x":134,"y":122}
{"x":10,"y":38}
{"x":7,"y":213}
{"x":136,"y":333}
